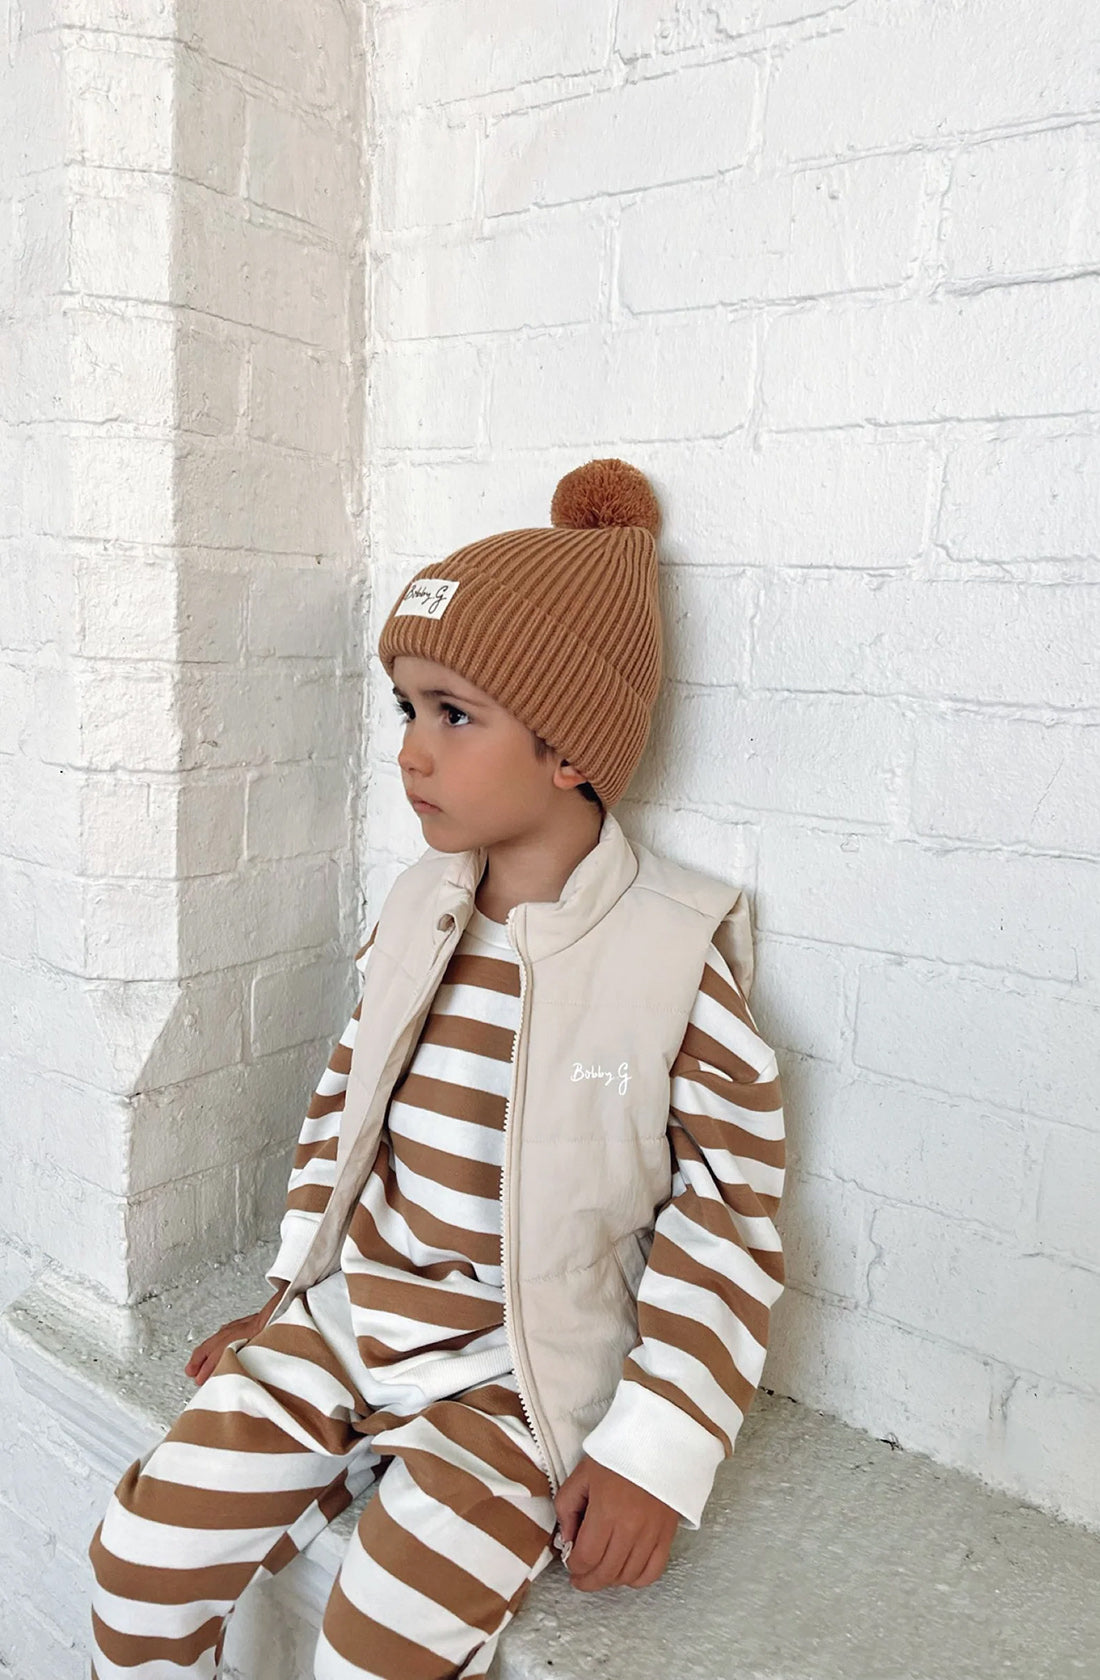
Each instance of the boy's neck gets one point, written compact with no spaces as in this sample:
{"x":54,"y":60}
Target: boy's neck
{"x":535,"y":867}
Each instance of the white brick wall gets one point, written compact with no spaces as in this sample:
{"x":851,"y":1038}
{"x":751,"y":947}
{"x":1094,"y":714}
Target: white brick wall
{"x":828,"y":276}
{"x":181,"y":342}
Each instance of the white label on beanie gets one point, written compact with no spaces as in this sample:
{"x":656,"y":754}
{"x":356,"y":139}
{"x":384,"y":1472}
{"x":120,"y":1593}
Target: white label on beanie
{"x":426,"y":598}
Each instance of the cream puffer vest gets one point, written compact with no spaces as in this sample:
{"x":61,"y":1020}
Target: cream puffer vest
{"x":608,"y":976}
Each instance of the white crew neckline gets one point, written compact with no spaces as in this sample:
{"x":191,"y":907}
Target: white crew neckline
{"x":483,"y":927}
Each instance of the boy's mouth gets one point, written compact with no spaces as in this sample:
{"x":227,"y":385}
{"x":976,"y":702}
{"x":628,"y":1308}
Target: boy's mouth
{"x":421,"y":805}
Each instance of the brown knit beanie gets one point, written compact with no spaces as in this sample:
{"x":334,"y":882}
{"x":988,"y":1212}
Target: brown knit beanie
{"x":561,"y":625}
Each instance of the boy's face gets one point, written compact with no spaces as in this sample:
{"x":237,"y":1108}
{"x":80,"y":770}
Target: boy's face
{"x":469,"y":767}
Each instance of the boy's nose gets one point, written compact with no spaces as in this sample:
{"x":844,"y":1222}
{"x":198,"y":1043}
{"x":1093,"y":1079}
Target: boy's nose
{"x":412,"y":758}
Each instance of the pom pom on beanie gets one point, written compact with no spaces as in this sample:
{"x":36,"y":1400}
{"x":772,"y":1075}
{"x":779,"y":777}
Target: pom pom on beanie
{"x":606,"y":492}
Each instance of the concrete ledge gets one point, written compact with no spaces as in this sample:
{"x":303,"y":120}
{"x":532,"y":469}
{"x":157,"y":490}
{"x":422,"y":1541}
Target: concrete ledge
{"x":826,"y":1555}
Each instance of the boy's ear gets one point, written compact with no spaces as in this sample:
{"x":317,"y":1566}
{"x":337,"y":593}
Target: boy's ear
{"x":566,"y":777}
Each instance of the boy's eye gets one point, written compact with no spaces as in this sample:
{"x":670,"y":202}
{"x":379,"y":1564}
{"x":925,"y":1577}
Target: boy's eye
{"x":455,"y":713}
{"x":405,"y":708}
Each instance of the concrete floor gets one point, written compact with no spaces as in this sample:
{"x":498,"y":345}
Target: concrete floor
{"x":825,"y":1554}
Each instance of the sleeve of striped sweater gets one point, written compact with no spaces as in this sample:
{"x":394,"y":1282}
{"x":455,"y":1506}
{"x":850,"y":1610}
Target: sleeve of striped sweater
{"x":716,"y":1265}
{"x":313,"y":1171}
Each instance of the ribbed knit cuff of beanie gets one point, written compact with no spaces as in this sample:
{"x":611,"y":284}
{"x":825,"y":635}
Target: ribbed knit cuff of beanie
{"x":560,"y":624}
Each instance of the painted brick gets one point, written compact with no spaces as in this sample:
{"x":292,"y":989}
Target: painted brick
{"x":1023,"y":1049}
{"x":261,"y":1194}
{"x":1024,"y":205}
{"x":127,"y":608}
{"x":667,"y":128}
{"x":298,"y":166}
{"x":119,"y":489}
{"x":433,"y":509}
{"x":447,"y":51}
{"x":542,"y":272}
{"x":1015,"y":350}
{"x":826,"y":499}
{"x":823,"y":1227}
{"x":235,"y":1111}
{"x":121,"y":247}
{"x":81,"y":1227}
{"x":208,"y":381}
{"x":210,"y":123}
{"x":119,"y":366}
{"x":301,"y":612}
{"x":1067,"y":1221}
{"x":887,"y":1379}
{"x":696,"y":839}
{"x":1025,"y":914}
{"x":203,"y":1031}
{"x":902,"y":1143}
{"x":17,"y":690}
{"x":299,"y":808}
{"x":28,"y":790}
{"x":628,"y":384}
{"x":899,"y":75}
{"x":1052,"y":1448}
{"x":1007,"y":780}
{"x":746,"y":236}
{"x":210,"y":826}
{"x":645,"y":28}
{"x":263,"y":276}
{"x":817,"y":756}
{"x":706,"y":614}
{"x":261,"y":499}
{"x":180,"y":1226}
{"x":100,"y":1034}
{"x":259,"y":912}
{"x":295,"y":398}
{"x":117,"y":17}
{"x":1022,"y":498}
{"x":942,"y":638}
{"x":299,"y":1005}
{"x":265,"y":713}
{"x":210,"y":607}
{"x":18,"y":933}
{"x":306,"y":54}
{"x":950,"y":1280}
{"x":429,"y":170}
{"x":106,"y":716}
{"x":121,"y":107}
{"x":427,"y":395}
{"x":797,"y":997}
{"x":46,"y":1117}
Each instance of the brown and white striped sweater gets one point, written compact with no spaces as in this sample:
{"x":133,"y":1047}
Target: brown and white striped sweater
{"x":421,"y":1262}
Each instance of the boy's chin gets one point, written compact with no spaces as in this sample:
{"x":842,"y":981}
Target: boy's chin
{"x":450,"y":834}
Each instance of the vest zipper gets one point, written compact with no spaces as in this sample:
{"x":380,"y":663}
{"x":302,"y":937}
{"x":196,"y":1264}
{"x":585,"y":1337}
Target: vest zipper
{"x":505,"y":1223}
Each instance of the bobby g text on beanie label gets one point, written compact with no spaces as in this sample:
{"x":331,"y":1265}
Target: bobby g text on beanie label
{"x":426,"y":598}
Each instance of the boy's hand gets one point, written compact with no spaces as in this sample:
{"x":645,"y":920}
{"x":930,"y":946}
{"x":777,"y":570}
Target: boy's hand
{"x":205,"y":1357}
{"x":620,"y":1533}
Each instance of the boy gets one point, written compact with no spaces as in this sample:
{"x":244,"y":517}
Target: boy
{"x":528,"y":1256}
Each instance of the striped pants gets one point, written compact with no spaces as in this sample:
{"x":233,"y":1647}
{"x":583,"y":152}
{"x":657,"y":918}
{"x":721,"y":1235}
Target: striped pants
{"x":273,"y":1446}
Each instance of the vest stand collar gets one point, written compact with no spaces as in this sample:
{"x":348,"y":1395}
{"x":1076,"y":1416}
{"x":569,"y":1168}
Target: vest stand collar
{"x":596,"y":883}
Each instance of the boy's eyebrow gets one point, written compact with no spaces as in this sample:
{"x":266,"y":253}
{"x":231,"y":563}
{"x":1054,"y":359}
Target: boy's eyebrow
{"x":438,"y":694}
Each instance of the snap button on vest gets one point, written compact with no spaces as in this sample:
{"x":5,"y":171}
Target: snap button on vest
{"x":445,"y":922}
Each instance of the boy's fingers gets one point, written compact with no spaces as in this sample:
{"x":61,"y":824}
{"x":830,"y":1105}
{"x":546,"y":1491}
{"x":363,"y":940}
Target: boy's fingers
{"x":590,"y":1545}
{"x":638,"y":1562}
{"x":611,"y":1569}
{"x":655,"y":1568}
{"x":572,"y":1498}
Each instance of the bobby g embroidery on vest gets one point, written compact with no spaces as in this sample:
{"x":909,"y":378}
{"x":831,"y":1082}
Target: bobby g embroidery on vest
{"x":622,"y":1075}
{"x":426,"y":598}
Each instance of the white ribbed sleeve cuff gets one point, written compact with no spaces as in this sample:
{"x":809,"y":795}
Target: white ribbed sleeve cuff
{"x":296,"y":1233}
{"x":654,"y":1444}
